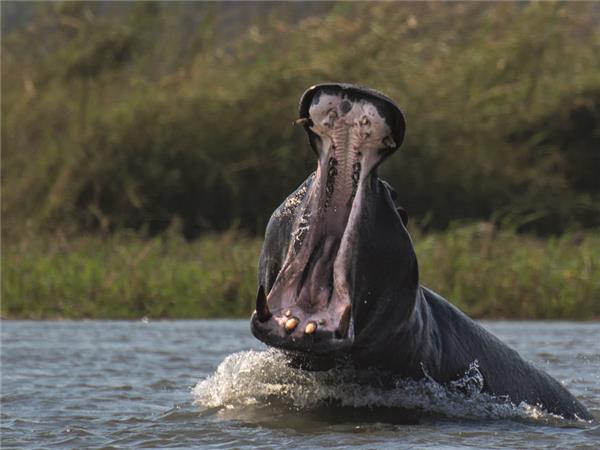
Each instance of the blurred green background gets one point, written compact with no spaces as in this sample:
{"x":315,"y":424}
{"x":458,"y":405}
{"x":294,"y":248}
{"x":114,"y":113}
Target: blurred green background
{"x":145,"y":145}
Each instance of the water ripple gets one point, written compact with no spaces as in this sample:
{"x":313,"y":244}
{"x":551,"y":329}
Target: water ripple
{"x":266,"y":378}
{"x":101,"y":385}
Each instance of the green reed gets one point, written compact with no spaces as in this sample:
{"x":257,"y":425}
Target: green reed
{"x":486,"y":272}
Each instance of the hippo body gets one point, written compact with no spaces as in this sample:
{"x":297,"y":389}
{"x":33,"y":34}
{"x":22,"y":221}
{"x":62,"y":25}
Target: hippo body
{"x":338,"y":275}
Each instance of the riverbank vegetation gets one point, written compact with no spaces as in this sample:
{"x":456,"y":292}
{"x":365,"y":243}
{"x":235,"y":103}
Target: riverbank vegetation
{"x":137,"y":135}
{"x":484,"y":271}
{"x":128,"y":116}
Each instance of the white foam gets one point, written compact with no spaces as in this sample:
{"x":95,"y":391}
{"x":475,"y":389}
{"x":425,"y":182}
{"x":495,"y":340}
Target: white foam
{"x":252,"y":377}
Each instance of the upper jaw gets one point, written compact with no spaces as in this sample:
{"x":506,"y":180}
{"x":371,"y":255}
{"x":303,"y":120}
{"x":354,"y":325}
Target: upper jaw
{"x":393,"y":114}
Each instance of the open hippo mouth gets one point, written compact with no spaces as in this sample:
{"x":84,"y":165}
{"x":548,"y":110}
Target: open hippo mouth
{"x":339,"y":279}
{"x":311,"y":306}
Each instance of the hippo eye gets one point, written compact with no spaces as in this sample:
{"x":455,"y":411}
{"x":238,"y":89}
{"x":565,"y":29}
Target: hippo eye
{"x":365,"y":121}
{"x":332,"y":115}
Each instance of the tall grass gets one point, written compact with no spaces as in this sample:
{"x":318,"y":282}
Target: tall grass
{"x":133,"y":119}
{"x":487,"y":273}
{"x":500,"y":274}
{"x":127,"y":277}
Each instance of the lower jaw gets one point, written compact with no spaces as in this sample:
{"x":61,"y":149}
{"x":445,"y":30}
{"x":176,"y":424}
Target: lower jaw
{"x":305,"y":351}
{"x":315,"y":363}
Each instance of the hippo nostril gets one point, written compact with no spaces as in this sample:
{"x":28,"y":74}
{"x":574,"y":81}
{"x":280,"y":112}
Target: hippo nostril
{"x":345,"y":106}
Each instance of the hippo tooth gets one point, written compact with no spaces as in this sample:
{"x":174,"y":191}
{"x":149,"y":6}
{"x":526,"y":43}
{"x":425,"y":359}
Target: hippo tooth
{"x":342,"y":329}
{"x":262,"y":308}
{"x":311,"y":327}
{"x":288,"y":313}
{"x":291,"y":324}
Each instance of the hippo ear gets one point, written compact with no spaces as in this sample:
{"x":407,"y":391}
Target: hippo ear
{"x":403,"y":215}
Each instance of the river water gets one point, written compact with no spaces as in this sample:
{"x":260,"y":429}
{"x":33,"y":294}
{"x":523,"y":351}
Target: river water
{"x":210,"y":384}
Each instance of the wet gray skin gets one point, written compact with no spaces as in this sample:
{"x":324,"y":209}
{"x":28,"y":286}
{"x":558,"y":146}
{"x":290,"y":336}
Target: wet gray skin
{"x":338,"y":276}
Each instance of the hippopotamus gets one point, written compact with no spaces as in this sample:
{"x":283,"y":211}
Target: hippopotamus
{"x":338,"y":278}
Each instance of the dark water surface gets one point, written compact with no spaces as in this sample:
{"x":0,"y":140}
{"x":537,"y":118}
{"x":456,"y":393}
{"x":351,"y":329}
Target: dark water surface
{"x":210,"y":384}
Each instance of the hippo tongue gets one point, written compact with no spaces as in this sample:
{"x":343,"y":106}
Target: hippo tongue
{"x":351,"y":136}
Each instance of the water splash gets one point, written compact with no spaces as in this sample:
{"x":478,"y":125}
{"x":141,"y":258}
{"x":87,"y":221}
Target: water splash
{"x":263,"y":378}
